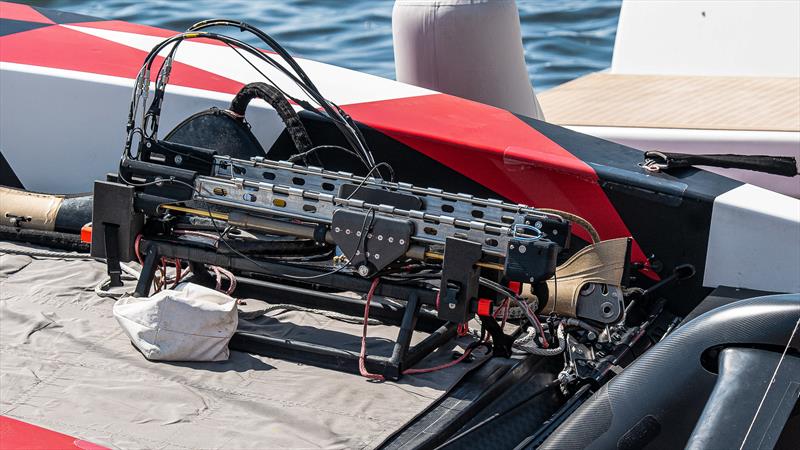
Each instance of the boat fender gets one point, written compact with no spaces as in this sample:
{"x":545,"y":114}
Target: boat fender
{"x":471,"y":49}
{"x":45,"y":212}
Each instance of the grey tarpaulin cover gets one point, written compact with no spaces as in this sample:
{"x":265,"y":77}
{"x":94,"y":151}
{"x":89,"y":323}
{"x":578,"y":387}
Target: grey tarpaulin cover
{"x":66,"y":365}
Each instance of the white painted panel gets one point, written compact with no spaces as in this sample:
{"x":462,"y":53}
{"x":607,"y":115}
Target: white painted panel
{"x":708,"y":37}
{"x":754,"y":241}
{"x":339,"y":85}
{"x":62,"y":129}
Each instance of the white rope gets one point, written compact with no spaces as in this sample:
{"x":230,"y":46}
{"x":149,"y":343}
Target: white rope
{"x":771,"y":382}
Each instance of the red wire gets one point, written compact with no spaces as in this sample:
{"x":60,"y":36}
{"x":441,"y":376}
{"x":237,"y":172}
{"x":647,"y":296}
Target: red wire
{"x":177,"y":272}
{"x":136,"y":248}
{"x":362,"y":357}
{"x":439,"y":367}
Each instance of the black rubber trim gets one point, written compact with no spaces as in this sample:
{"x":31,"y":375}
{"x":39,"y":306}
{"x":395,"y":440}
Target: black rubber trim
{"x":7,"y":175}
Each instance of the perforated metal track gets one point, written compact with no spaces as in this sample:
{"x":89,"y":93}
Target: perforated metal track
{"x":313,"y":194}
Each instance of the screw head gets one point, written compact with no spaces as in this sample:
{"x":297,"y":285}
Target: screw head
{"x":363,"y":270}
{"x":178,"y":159}
{"x":391,"y":239}
{"x":402,"y":241}
{"x":358,"y":233}
{"x":522,"y":249}
{"x":451,"y":305}
{"x":538,"y":224}
{"x":511,"y":247}
{"x":377,"y":256}
{"x":337,"y":230}
{"x":347,"y":231}
{"x":380,"y":237}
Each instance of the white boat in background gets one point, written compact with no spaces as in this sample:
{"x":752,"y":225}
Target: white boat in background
{"x":701,"y":77}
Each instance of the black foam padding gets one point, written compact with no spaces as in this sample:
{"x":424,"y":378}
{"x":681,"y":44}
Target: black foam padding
{"x":670,"y":382}
{"x":216,"y":130}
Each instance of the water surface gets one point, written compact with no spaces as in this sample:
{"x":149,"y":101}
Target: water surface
{"x":562,"y":39}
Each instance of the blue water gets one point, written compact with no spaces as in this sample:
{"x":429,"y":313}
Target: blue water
{"x":562,"y":39}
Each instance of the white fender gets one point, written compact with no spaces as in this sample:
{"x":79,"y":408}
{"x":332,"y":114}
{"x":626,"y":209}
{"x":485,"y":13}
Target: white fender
{"x":468,"y":48}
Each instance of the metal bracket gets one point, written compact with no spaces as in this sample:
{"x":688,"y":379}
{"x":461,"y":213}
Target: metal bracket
{"x":371,"y":243}
{"x":459,"y":279}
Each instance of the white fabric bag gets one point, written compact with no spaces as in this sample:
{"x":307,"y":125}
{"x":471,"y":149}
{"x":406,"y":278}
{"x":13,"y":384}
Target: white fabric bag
{"x":188,"y":323}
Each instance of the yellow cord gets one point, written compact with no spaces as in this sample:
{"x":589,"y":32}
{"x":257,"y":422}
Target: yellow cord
{"x":198,"y":212}
{"x":222,"y":216}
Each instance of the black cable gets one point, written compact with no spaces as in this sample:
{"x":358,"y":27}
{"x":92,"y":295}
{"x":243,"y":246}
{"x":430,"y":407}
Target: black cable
{"x":221,"y":235}
{"x":330,"y":107}
{"x":304,"y":104}
{"x":303,"y":155}
{"x":339,"y":117}
{"x":364,"y":180}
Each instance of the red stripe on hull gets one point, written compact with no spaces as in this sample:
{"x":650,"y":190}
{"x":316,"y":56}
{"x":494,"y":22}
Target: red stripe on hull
{"x":15,"y":434}
{"x":15,"y":11}
{"x":62,"y":48}
{"x":499,"y":151}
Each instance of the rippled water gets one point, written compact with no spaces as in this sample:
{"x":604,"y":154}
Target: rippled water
{"x":563,"y":39}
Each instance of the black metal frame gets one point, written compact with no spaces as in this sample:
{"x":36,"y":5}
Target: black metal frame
{"x":409,"y":317}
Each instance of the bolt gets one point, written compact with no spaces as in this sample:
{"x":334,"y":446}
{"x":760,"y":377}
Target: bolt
{"x":511,"y":246}
{"x":451,"y":305}
{"x":538,"y":224}
{"x":402,"y":241}
{"x":522,"y":249}
{"x":363,"y":270}
{"x":369,"y":236}
{"x":347,"y":231}
{"x":337,"y":230}
{"x":358,"y":252}
{"x":148,"y":145}
{"x":178,"y":159}
{"x":367,"y":253}
{"x":391,"y":239}
{"x":380,"y":237}
{"x":358,"y":233}
{"x":531,"y":279}
{"x":377,"y":256}
{"x":527,"y":222}
{"x":555,"y":232}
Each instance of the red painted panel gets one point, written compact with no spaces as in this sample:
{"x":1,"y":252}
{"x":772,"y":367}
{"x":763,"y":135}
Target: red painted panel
{"x":62,"y":48}
{"x":18,"y":435}
{"x":16,"y":11}
{"x":498,"y":150}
